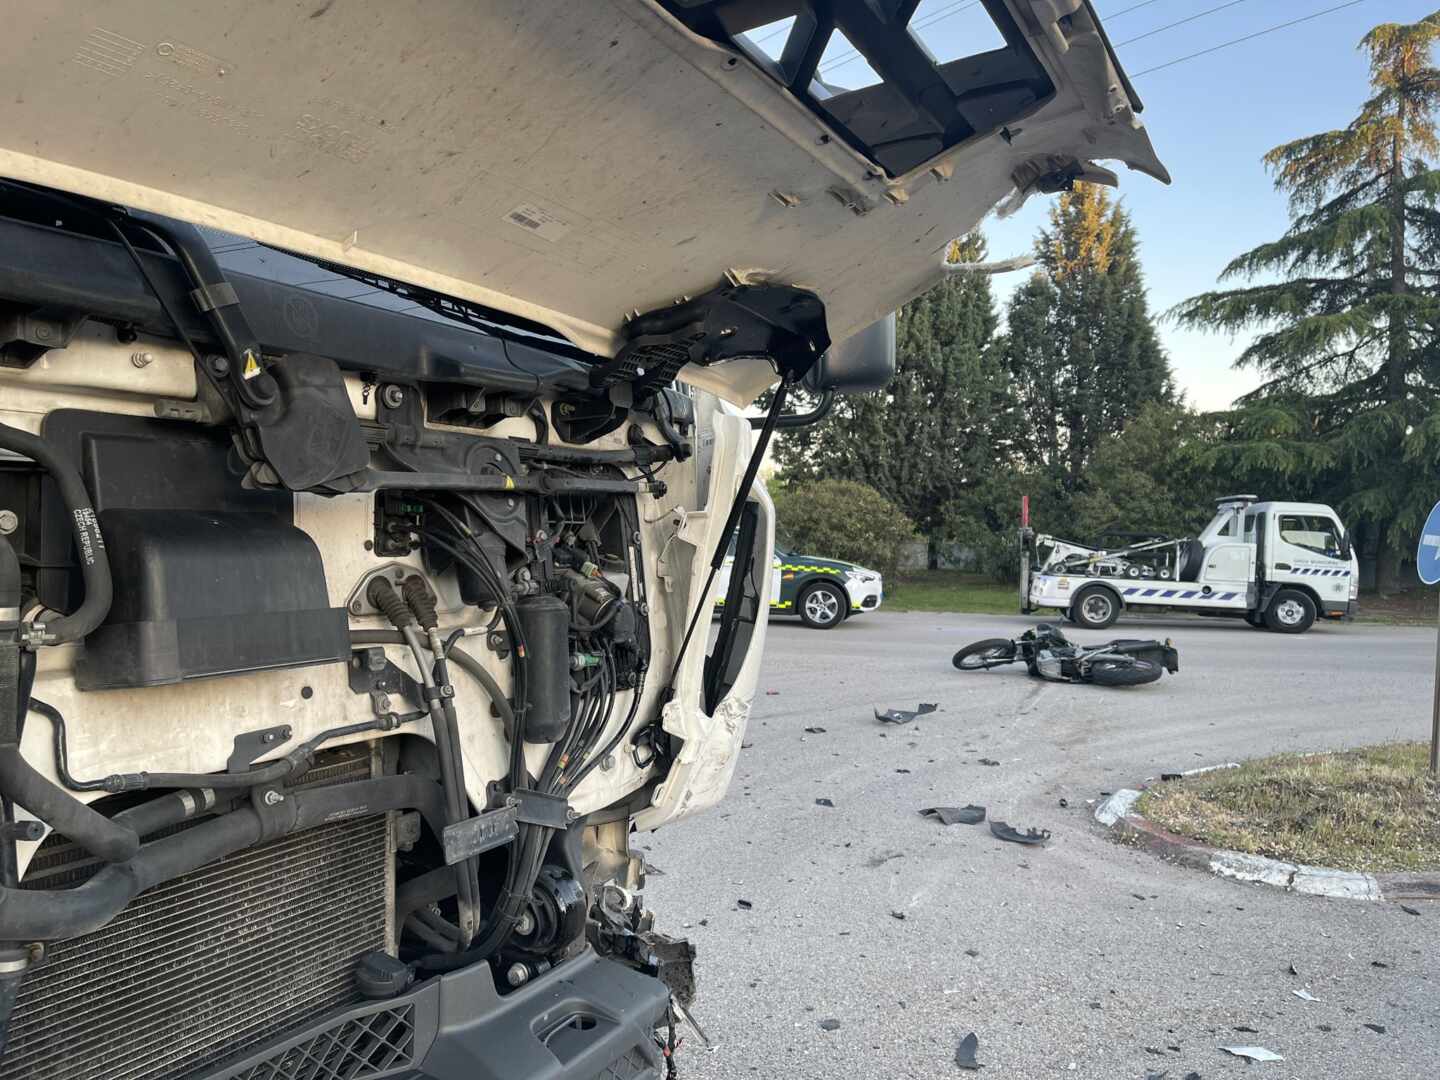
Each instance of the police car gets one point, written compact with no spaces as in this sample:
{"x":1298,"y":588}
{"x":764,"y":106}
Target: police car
{"x":823,"y":592}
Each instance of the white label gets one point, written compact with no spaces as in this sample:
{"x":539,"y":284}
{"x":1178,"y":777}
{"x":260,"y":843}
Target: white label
{"x":538,"y":221}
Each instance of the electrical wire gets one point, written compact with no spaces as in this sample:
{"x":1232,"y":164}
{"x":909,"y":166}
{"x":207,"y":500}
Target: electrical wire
{"x":1179,"y":22}
{"x":1248,"y":37}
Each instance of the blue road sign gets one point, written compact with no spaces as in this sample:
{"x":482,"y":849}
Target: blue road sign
{"x":1427,"y":554}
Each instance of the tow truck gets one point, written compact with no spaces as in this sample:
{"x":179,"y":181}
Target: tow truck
{"x":1278,"y":565}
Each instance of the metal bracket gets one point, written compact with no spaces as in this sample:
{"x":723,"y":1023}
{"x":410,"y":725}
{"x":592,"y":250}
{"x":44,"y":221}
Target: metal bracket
{"x":371,"y":672}
{"x":537,"y":808}
{"x":476,"y":835}
{"x":249,"y":745}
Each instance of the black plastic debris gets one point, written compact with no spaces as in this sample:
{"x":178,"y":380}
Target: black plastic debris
{"x":972,"y":953}
{"x":1192,"y":1076}
{"x":744,"y":905}
{"x":988,"y":761}
{"x":824,"y":802}
{"x":1157,"y":1076}
{"x":965,"y":1053}
{"x":1247,"y":1030}
{"x":1379,"y":964}
{"x":815,"y":730}
{"x":1409,"y":910}
{"x":904,"y":716}
{"x":1002,"y":831}
{"x":1293,"y":971}
{"x":1324,"y":1027}
{"x":1379,"y":1029}
{"x":902,"y":770}
{"x":830,"y":1025}
{"x":955,"y":815}
{"x":1064,"y":804}
{"x":898,"y":915}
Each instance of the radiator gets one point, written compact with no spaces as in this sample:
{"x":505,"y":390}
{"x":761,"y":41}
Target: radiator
{"x":196,"y":971}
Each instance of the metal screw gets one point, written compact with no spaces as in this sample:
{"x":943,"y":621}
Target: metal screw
{"x":42,"y":331}
{"x":644,"y":608}
{"x":268,"y":737}
{"x":517,"y":974}
{"x":510,"y":504}
{"x":383,"y":702}
{"x":141,"y":359}
{"x":273,"y":798}
{"x":219,"y":366}
{"x":525,"y":926}
{"x":639,"y":371}
{"x":392,"y":396}
{"x":356,"y":607}
{"x":607,"y":763}
{"x":9,"y":522}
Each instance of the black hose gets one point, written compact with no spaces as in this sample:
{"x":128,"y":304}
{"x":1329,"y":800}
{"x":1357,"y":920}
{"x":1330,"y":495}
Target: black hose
{"x":94,"y":566}
{"x":468,"y":663}
{"x":64,"y":813}
{"x":53,"y":914}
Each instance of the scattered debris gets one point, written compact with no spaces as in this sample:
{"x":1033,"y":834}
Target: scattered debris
{"x":1247,"y":1030}
{"x":746,"y":745}
{"x":965,"y":1053}
{"x":1409,"y":910}
{"x":824,"y":802}
{"x":1192,"y":1076}
{"x":830,"y":1025}
{"x":972,"y":953}
{"x":1324,"y":1027}
{"x":1171,"y":775}
{"x":1002,"y":831}
{"x":1379,"y":1029}
{"x":744,"y":905}
{"x":815,"y":730}
{"x":904,"y":716}
{"x":988,"y":761}
{"x":898,"y":915}
{"x":772,"y":693}
{"x":1064,"y":804}
{"x":1253,"y":1053}
{"x":881,"y":860}
{"x":1379,"y":964}
{"x":955,"y":815}
{"x":1293,"y":971}
{"x":1304,"y":995}
{"x":1155,"y":1050}
{"x":1157,"y":1076}
{"x":902,"y":770}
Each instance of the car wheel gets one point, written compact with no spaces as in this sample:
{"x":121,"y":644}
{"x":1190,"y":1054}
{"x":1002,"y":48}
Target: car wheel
{"x":822,"y":606}
{"x":1290,"y":612}
{"x":1095,"y":608}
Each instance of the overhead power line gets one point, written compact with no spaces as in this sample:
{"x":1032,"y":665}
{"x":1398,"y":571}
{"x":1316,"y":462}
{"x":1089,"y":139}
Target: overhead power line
{"x":1178,"y":22}
{"x":1248,"y":37}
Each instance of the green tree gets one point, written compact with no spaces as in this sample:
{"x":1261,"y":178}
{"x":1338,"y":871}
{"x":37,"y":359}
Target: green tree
{"x":1081,"y":347}
{"x":938,"y":428}
{"x":840,"y":519}
{"x":1347,"y":305}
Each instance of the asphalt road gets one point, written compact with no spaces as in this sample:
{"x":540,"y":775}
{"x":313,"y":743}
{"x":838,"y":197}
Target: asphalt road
{"x":1083,"y":959}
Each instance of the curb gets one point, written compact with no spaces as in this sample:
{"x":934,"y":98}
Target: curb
{"x":1117,"y":813}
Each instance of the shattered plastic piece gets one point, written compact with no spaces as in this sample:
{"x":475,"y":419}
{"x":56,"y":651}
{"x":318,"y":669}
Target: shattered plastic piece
{"x":1293,"y":971}
{"x":815,"y":730}
{"x":1002,"y":831}
{"x":965,"y":1053}
{"x":1409,"y":910}
{"x":972,"y":953}
{"x":1192,"y":1076}
{"x":1379,"y":1029}
{"x":1064,"y":804}
{"x":830,"y":1025}
{"x":903,"y":716}
{"x":1157,"y":1076}
{"x":1171,"y":775}
{"x":1254,"y":1053}
{"x":1324,"y":1027}
{"x":1379,"y":964}
{"x":955,"y":815}
{"x":744,"y":905}
{"x":1304,"y":995}
{"x":898,"y":915}
{"x":988,"y":761}
{"x":1247,"y":1030}
{"x":824,"y":802}
{"x":902,"y":770}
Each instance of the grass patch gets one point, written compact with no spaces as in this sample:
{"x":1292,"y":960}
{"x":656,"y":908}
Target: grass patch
{"x":1371,"y":809}
{"x":951,"y":590}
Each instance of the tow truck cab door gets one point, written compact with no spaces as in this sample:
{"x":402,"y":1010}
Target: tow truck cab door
{"x":1229,"y":558}
{"x":1308,"y":546}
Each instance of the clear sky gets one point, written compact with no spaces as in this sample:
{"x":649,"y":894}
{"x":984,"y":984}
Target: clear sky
{"x":1211,"y":119}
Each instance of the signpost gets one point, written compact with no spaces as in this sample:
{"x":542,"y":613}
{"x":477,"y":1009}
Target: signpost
{"x":1427,"y":563}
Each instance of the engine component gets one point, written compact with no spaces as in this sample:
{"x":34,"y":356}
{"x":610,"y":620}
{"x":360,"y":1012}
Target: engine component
{"x":545,"y":622}
{"x":200,"y":594}
{"x":555,"y":916}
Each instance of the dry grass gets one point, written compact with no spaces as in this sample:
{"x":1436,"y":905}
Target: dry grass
{"x":1372,"y":809}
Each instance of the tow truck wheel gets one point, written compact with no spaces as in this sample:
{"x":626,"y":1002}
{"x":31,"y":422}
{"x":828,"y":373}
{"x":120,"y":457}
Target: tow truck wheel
{"x":1095,"y":608}
{"x":1256,"y":619}
{"x":822,"y":606}
{"x":1290,"y":612}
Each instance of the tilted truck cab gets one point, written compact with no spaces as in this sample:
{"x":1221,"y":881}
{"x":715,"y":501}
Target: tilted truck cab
{"x":1278,"y":565}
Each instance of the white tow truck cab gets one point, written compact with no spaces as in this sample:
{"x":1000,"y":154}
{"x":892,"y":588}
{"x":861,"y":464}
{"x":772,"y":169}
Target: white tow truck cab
{"x":1278,"y":565}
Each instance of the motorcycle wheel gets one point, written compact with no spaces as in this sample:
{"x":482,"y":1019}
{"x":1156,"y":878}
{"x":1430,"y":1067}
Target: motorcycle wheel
{"x":992,"y":652}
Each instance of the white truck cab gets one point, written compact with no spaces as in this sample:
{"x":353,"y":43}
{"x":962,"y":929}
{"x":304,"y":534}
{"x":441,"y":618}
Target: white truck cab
{"x":1278,"y":565}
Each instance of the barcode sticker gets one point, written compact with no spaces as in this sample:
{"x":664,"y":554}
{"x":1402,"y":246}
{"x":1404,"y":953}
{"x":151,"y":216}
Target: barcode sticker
{"x":538,"y":221}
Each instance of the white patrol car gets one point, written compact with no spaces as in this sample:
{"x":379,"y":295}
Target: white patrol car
{"x":1278,"y":565}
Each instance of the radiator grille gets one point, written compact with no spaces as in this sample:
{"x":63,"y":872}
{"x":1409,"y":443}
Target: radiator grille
{"x":360,"y":1047}
{"x":204,"y":967}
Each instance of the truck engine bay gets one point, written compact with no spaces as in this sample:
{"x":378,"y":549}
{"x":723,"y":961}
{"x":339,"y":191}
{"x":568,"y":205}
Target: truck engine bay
{"x":332,"y":692}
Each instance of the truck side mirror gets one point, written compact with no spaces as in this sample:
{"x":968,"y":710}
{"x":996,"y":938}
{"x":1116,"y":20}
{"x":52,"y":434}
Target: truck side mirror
{"x":863,"y":362}
{"x":1346,"y":546}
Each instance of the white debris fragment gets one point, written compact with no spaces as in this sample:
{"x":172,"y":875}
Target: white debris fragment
{"x":1254,"y":1053}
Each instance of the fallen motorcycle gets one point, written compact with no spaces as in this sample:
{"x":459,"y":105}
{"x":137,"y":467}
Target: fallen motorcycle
{"x":1048,"y":654}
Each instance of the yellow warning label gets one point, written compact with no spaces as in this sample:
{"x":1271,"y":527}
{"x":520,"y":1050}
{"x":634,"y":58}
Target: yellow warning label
{"x":509,"y":483}
{"x":252,"y":365}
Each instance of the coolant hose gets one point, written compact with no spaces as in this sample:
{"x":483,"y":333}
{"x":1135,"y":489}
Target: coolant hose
{"x":55,"y":914}
{"x":94,"y":566}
